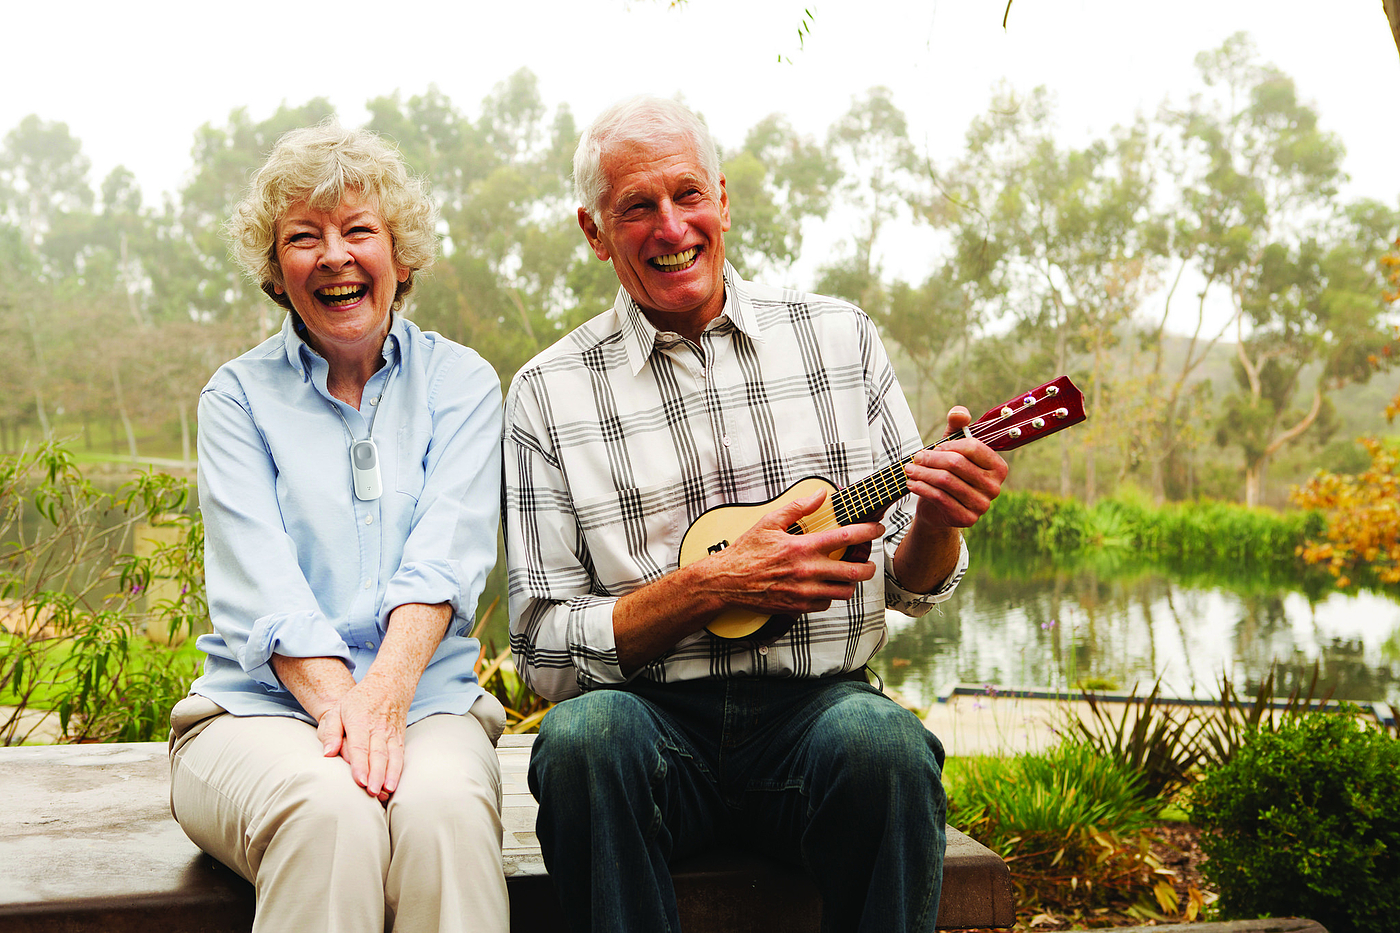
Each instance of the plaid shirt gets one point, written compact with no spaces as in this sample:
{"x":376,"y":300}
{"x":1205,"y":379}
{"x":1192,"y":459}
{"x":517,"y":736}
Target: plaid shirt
{"x":619,"y":436}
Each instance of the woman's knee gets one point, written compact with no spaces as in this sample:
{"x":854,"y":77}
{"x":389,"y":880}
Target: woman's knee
{"x":323,"y":798}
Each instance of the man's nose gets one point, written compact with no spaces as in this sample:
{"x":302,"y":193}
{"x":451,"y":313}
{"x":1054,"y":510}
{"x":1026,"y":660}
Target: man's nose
{"x":670,"y":225}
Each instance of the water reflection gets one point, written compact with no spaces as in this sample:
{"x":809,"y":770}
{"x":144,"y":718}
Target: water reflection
{"x":1114,"y":623}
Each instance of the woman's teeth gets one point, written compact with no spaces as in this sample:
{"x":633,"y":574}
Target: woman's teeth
{"x":341,"y":294}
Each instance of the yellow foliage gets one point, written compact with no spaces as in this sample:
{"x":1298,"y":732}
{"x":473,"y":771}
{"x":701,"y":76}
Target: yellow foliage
{"x":1363,"y":516}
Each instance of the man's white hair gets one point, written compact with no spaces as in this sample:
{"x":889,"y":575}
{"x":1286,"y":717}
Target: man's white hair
{"x":640,"y":119}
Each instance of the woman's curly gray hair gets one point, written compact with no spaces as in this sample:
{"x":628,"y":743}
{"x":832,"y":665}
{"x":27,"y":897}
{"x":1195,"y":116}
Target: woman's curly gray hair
{"x":637,"y":119}
{"x":318,"y":165}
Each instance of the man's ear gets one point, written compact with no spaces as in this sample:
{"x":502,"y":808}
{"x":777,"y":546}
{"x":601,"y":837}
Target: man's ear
{"x":723,"y":203}
{"x":590,"y":232}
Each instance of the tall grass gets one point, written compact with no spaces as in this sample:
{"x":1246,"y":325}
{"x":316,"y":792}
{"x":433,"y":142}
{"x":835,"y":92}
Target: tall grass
{"x":1071,"y":824}
{"x":1187,"y":531}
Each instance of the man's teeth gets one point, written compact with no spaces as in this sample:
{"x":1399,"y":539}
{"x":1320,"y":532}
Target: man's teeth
{"x":676,"y":260}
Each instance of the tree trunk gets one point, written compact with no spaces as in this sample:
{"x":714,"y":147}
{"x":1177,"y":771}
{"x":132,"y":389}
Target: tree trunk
{"x":1253,"y":477}
{"x":40,"y":373}
{"x":121,"y":412}
{"x":185,"y":433}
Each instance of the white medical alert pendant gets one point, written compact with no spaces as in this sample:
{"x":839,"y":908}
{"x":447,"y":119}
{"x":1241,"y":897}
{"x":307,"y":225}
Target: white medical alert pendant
{"x":364,"y":467}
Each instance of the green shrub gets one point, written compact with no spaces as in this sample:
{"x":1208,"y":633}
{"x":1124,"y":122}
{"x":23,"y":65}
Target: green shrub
{"x":1304,"y":822}
{"x":86,"y":575}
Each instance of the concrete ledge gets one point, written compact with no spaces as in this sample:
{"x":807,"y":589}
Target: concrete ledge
{"x":88,"y":844}
{"x":1284,"y":925}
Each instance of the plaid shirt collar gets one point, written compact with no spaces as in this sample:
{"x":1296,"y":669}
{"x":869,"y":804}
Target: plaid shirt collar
{"x":640,"y":337}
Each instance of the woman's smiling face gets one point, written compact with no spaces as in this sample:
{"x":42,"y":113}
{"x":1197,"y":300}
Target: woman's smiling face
{"x":338,"y":271}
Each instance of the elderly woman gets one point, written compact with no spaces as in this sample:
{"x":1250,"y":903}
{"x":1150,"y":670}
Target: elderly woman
{"x":338,"y":750}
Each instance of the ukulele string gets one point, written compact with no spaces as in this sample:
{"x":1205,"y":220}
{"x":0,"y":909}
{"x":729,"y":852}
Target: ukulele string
{"x":885,"y":481}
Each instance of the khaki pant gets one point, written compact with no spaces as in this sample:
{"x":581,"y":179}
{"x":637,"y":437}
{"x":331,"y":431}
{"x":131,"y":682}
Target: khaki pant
{"x":257,"y":793}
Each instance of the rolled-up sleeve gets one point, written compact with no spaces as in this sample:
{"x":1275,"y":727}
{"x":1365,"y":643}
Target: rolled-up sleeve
{"x":561,"y":630}
{"x":451,"y":543}
{"x":259,"y":601}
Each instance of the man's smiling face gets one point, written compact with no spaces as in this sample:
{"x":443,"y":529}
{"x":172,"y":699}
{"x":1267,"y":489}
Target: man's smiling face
{"x":662,"y":224}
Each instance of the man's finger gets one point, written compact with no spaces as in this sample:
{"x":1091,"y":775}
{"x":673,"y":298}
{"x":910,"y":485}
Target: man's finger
{"x":786,"y":515}
{"x":845,"y":536}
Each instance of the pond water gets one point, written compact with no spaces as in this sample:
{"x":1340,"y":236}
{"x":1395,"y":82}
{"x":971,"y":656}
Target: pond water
{"x":1022,"y":622}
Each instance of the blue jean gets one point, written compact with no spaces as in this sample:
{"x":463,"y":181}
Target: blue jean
{"x":827,"y":774}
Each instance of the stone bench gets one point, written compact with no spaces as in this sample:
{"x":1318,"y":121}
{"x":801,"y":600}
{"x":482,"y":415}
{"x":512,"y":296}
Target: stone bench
{"x":87,"y":843}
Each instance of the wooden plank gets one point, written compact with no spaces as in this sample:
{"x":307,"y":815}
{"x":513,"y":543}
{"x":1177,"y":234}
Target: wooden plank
{"x":88,"y":844}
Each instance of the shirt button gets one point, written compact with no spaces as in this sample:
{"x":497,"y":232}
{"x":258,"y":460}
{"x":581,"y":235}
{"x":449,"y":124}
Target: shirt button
{"x":366,"y":584}
{"x":763,"y":649}
{"x":369,"y":644}
{"x":726,"y":440}
{"x":374,"y":400}
{"x":369,"y":519}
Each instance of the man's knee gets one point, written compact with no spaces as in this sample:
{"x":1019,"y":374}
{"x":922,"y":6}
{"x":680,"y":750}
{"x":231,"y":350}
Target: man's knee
{"x":875,"y":742}
{"x":585,"y":738}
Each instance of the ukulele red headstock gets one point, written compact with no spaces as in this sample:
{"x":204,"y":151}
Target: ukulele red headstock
{"x":1030,"y":415}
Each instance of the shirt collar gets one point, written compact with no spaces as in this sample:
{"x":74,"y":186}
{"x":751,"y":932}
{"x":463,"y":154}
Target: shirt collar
{"x":305,"y":360}
{"x":640,"y":337}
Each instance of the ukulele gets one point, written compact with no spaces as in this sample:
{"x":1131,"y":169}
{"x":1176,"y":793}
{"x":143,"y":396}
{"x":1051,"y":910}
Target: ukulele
{"x":1036,"y":414}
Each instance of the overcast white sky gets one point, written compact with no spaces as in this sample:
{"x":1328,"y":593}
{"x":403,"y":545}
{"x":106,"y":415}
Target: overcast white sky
{"x":134,"y":81}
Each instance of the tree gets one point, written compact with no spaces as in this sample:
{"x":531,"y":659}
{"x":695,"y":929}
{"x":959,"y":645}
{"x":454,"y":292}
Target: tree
{"x":1258,"y":176}
{"x":775,"y":182}
{"x":870,"y":143}
{"x":503,"y":284}
{"x":43,"y":173}
{"x":1069,"y":231}
{"x":1314,"y":303}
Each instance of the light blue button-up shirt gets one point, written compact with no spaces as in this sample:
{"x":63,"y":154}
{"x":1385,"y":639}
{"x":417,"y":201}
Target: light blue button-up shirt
{"x":295,"y":564}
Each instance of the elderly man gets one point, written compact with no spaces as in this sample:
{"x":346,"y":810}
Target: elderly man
{"x":697,"y":390}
